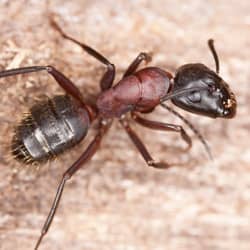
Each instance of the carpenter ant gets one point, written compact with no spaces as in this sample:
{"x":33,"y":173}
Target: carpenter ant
{"x":59,"y":123}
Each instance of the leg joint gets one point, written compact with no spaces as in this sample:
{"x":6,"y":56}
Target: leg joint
{"x":151,"y":163}
{"x":145,"y":56}
{"x":66,"y":176}
{"x":111,"y":66}
{"x":50,"y":68}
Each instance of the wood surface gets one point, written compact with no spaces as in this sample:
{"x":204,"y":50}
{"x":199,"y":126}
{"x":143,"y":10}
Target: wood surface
{"x":118,"y":203}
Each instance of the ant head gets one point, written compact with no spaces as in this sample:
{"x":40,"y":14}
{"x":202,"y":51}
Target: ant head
{"x":209,"y":95}
{"x":212,"y":96}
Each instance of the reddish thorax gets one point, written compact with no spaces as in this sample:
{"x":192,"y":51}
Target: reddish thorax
{"x":141,"y":91}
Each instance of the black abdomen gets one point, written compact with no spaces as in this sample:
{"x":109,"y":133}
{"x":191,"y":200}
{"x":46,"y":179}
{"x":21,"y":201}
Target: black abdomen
{"x":51,"y":127}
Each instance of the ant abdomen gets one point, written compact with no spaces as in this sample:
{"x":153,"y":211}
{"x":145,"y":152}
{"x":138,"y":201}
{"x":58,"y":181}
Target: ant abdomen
{"x":49,"y":128}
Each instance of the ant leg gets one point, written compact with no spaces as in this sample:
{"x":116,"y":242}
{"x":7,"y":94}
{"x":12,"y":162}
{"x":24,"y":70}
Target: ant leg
{"x":192,"y":127}
{"x":108,"y":77}
{"x":135,"y":64}
{"x":88,"y":153}
{"x":142,"y":149}
{"x":164,"y":126}
{"x":61,"y":79}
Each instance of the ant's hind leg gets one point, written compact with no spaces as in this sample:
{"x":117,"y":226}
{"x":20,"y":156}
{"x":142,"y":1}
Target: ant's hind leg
{"x":60,"y":78}
{"x":85,"y":157}
{"x":108,"y":77}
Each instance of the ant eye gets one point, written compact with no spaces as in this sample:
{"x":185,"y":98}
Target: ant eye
{"x":194,"y":96}
{"x":211,"y":87}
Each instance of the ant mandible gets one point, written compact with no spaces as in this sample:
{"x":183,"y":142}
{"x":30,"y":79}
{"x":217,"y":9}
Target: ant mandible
{"x":56,"y":124}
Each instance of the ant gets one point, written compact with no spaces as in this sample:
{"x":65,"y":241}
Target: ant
{"x":58,"y":123}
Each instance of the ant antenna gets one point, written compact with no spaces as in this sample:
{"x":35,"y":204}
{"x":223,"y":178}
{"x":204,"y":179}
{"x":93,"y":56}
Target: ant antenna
{"x":215,"y":55}
{"x":180,"y":92}
{"x":191,"y":126}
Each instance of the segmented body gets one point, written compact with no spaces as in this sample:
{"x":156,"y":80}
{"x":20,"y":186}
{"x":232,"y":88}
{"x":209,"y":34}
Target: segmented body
{"x":55,"y":125}
{"x":51,"y":127}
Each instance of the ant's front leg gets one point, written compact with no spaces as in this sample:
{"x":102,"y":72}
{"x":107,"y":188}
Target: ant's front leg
{"x":164,"y":127}
{"x":141,"y":147}
{"x":192,"y":127}
{"x":135,"y":64}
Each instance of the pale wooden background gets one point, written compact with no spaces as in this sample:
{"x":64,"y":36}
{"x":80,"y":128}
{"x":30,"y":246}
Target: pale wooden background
{"x":118,"y":203}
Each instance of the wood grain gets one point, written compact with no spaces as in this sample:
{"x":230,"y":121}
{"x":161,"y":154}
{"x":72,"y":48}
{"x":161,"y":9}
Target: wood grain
{"x":117,"y":202}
